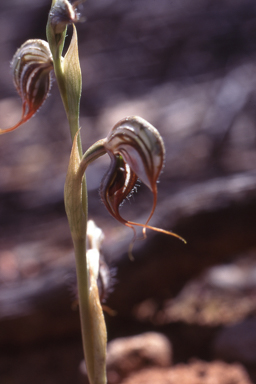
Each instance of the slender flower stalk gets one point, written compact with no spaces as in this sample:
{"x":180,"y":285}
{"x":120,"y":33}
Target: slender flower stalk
{"x":68,"y":74}
{"x":91,"y":315}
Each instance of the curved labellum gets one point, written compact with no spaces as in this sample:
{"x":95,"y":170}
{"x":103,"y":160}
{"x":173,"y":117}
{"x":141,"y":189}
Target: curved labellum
{"x":116,"y":185}
{"x":137,"y":152}
{"x":31,"y":65}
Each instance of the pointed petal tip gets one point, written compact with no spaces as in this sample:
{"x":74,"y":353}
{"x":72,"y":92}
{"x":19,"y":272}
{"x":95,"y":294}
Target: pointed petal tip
{"x":156,"y":229}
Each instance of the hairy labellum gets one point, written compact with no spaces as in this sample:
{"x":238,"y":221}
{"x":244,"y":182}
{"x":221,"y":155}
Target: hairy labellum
{"x":31,"y":66}
{"x":117,"y":185}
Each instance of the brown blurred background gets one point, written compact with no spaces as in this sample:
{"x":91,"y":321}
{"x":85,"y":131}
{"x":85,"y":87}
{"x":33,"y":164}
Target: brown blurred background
{"x":189,"y":68}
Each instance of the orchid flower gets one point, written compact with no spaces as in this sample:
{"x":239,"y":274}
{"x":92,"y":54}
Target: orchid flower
{"x":33,"y":62}
{"x":31,"y":66}
{"x":136,"y":150}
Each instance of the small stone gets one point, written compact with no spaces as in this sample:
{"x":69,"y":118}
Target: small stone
{"x":130,"y":354}
{"x":197,"y":372}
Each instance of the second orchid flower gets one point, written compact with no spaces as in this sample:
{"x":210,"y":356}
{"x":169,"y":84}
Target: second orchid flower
{"x":136,"y":151}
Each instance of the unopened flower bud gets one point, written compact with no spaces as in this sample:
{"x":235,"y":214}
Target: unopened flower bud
{"x":62,"y":14}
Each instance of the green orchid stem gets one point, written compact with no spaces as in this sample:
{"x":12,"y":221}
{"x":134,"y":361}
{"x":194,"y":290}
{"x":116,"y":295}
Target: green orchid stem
{"x":95,"y":375}
{"x":73,"y":121}
{"x":72,"y":118}
{"x":94,"y":152}
{"x":72,"y":111}
{"x":68,"y":74}
{"x":92,"y":323}
{"x":86,"y":317}
{"x":61,"y":83}
{"x":79,"y":243}
{"x":71,"y":105}
{"x":83,"y":298}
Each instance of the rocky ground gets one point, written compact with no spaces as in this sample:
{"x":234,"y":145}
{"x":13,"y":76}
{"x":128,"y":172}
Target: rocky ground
{"x":188,"y":68}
